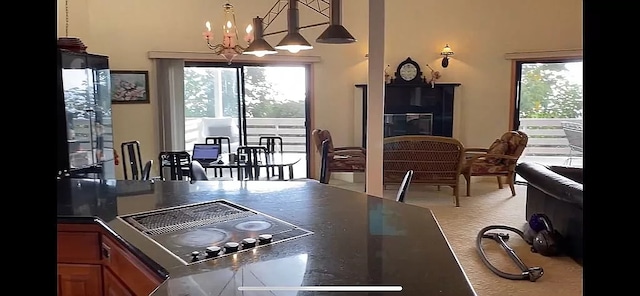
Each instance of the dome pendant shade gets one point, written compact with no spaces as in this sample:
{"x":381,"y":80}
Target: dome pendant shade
{"x":259,"y":47}
{"x":294,"y":40}
{"x":336,"y":34}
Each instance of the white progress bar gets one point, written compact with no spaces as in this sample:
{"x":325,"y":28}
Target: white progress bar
{"x":327,"y":288}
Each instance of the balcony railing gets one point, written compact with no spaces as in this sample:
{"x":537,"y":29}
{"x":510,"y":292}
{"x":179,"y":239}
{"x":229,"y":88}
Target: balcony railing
{"x":292,"y":131}
{"x":546,"y":136}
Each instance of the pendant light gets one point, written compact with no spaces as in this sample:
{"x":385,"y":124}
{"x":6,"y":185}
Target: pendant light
{"x":259,"y":47}
{"x":336,"y":33}
{"x":293,"y":41}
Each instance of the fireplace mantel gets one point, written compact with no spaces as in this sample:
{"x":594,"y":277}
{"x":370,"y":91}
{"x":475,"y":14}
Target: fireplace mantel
{"x":420,"y":98}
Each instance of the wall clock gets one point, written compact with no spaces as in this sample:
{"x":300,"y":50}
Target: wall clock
{"x":408,"y":71}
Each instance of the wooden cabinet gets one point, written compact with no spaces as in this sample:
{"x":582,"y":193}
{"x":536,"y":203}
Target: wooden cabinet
{"x":92,"y":262}
{"x":79,"y":279}
{"x":113,"y":286}
{"x":130,"y":270}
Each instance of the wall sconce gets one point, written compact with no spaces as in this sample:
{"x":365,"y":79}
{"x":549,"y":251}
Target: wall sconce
{"x":446,"y":52}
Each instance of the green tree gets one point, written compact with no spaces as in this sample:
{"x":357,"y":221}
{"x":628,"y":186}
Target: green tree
{"x":261,"y":97}
{"x":546,"y":92}
{"x":199,"y":92}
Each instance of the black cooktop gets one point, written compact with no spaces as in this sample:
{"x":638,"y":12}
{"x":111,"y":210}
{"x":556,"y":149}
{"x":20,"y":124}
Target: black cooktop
{"x":210,"y":230}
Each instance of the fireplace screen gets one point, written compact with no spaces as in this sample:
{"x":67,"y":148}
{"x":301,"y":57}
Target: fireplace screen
{"x":408,"y":124}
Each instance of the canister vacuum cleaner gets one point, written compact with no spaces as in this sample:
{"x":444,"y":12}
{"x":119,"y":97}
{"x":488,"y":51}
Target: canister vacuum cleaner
{"x":539,"y":233}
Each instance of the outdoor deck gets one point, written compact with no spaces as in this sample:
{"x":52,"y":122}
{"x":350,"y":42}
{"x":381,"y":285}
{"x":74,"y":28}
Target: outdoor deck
{"x":548,"y":143}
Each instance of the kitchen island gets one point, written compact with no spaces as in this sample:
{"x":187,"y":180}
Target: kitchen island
{"x":355,"y":239}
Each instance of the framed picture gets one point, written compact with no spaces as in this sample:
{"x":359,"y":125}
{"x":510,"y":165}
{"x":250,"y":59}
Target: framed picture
{"x":129,"y":87}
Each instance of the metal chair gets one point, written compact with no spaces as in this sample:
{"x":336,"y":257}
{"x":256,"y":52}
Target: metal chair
{"x":324,"y":162}
{"x":146,"y":172}
{"x":131,"y":150}
{"x":271,"y":143}
{"x":573,"y":131}
{"x":219,"y":141}
{"x":404,"y":186}
{"x":178,"y":163}
{"x":255,"y":155}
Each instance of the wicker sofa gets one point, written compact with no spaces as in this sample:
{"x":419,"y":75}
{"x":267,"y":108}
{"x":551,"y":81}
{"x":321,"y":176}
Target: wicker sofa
{"x":434,"y":160}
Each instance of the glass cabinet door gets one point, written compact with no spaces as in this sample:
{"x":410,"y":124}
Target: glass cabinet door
{"x":78,"y":96}
{"x":102,"y":128}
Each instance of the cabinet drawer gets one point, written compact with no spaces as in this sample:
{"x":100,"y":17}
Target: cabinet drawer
{"x":78,"y":247}
{"x":129,"y":269}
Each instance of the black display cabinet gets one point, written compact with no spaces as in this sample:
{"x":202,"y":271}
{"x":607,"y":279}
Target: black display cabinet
{"x":414,"y":109}
{"x":84,"y":130}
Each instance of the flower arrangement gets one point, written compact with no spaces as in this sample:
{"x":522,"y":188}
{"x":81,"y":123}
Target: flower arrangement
{"x":435,"y":75}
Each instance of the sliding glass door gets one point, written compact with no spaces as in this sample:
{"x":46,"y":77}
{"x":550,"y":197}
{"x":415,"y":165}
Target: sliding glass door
{"x":549,"y":108}
{"x":246,"y":102}
{"x":212,"y":105}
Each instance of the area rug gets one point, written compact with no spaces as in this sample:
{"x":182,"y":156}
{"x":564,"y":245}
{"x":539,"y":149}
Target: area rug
{"x":489,"y":205}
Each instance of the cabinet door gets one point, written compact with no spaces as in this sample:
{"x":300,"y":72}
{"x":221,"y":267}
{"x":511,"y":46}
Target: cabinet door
{"x":79,"y":279}
{"x":131,"y":271}
{"x":113,"y":286}
{"x":77,"y":86}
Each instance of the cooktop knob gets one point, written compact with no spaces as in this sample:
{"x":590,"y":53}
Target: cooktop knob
{"x":195,"y":255}
{"x":213,"y":251}
{"x":249,"y":242}
{"x":231,"y":247}
{"x":265,"y":238}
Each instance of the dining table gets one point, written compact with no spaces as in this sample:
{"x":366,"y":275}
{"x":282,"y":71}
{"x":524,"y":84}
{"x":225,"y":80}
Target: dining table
{"x":277,"y":160}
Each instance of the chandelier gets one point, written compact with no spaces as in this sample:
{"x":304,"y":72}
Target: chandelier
{"x":293,"y":41}
{"x":229,"y":48}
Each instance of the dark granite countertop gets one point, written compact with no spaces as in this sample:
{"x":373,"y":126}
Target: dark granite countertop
{"x":358,"y":239}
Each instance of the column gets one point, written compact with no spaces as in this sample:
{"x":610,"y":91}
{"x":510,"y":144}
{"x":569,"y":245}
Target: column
{"x":375,"y":99}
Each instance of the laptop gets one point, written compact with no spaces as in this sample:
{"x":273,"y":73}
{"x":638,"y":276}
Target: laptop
{"x":205,"y":153}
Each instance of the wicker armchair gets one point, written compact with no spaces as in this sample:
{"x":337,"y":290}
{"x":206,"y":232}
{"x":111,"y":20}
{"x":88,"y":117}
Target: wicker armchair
{"x":339,"y":159}
{"x":498,"y":160}
{"x":434,"y":160}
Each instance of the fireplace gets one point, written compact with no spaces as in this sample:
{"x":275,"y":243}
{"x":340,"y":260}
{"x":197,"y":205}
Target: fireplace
{"x":408,"y":124}
{"x":414,"y":109}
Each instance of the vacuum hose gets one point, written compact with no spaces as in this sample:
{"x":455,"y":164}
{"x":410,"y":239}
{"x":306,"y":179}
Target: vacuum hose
{"x":528,"y":273}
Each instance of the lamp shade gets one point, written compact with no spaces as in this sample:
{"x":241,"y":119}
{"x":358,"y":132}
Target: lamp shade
{"x":336,"y":34}
{"x":294,"y":42}
{"x":446,"y":51}
{"x":259,"y":48}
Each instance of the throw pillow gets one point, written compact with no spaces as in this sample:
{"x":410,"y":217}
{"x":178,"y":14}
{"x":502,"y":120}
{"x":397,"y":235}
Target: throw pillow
{"x":498,"y":147}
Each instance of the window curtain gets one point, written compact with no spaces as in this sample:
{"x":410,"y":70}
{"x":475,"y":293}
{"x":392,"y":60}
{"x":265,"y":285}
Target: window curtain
{"x":170,"y":87}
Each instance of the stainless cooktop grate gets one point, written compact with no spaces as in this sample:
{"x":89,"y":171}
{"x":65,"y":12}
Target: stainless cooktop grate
{"x":184,"y":217}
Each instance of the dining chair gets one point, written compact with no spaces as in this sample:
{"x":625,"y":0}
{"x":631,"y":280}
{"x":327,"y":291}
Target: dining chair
{"x":404,"y":186}
{"x":178,"y":163}
{"x":146,"y":171}
{"x":197,"y":172}
{"x":131,"y":159}
{"x":219,"y":140}
{"x":324,"y":162}
{"x":271,"y":142}
{"x":256,"y":157}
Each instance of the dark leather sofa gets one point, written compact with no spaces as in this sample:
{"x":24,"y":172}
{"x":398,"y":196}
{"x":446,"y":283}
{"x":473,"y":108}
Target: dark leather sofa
{"x":556,"y":191}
